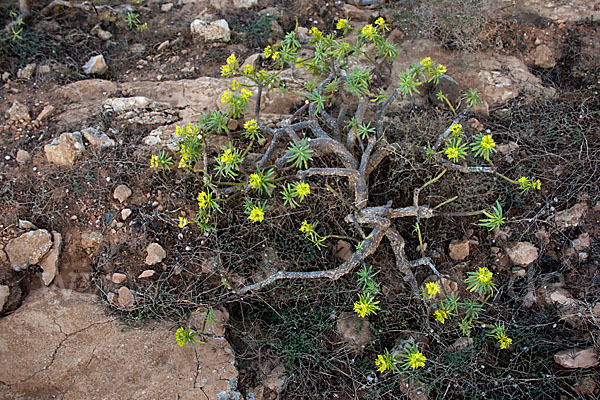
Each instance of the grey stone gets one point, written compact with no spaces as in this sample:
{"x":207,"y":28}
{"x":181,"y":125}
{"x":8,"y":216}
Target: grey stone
{"x":95,"y":66}
{"x":18,"y":111}
{"x":121,"y":193}
{"x":211,"y":31}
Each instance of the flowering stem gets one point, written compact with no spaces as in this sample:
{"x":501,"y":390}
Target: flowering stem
{"x":507,"y":178}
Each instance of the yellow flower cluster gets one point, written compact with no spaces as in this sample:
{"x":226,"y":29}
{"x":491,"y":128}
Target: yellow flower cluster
{"x":452,"y":152}
{"x":368,"y":31}
{"x":527,"y":183}
{"x":203,"y":200}
{"x":383,"y":362}
{"x":366,"y":305}
{"x":342,"y":24}
{"x":416,"y":359}
{"x":432,"y":288}
{"x":441,"y":315}
{"x":484,"y":276}
{"x":302,"y":190}
{"x":255,"y":180}
{"x":231,"y":67}
{"x":257,"y":214}
{"x":227,"y":157}
{"x":307,"y":228}
{"x":487,"y":142}
{"x":504,"y":341}
{"x":183,"y":222}
{"x":456,"y":129}
{"x":154,"y":161}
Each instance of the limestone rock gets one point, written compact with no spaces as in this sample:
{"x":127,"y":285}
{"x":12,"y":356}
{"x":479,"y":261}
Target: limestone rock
{"x":147,"y":273}
{"x":141,"y":110}
{"x":216,"y":328}
{"x":155,"y":254}
{"x":570,"y":217}
{"x":95,"y":66}
{"x":125,"y":213}
{"x":91,"y":240}
{"x":73,"y":350}
{"x":23,"y":156}
{"x":97,"y":138}
{"x":4,"y":293}
{"x":544,"y":57}
{"x":354,"y":330}
{"x":125,"y":299}
{"x":459,"y":249}
{"x":118,"y":278}
{"x":28,"y":225}
{"x":28,"y":249}
{"x":523,"y":253}
{"x":166,"y":7}
{"x":121,"y":193}
{"x":27,"y":71}
{"x":45,"y":113}
{"x":577,"y":358}
{"x":207,"y":31}
{"x":137,"y":49}
{"x":101,"y":33}
{"x":50,"y":262}
{"x":65,"y":149}
{"x":18,"y":111}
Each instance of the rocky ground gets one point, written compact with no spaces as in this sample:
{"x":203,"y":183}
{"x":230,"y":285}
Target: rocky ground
{"x":95,"y":276}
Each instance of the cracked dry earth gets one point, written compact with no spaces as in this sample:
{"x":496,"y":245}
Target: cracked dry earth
{"x":60,"y":344}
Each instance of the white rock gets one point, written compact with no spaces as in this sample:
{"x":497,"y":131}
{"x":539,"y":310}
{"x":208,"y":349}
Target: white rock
{"x":64,"y":150}
{"x":23,"y":156}
{"x":155,"y":254}
{"x":118,"y":278}
{"x":206,"y":31}
{"x":166,"y":7}
{"x":244,"y":3}
{"x":125,"y":299}
{"x":523,"y":253}
{"x":125,"y":213}
{"x":97,"y":138}
{"x":121,"y":193}
{"x":577,"y":358}
{"x":147,"y":274}
{"x":28,"y":249}
{"x":18,"y":111}
{"x":95,"y":65}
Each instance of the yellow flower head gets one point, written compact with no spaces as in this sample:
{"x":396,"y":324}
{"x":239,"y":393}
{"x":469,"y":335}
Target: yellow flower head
{"x":231,"y":60}
{"x":315,"y":32}
{"x":183,"y":222}
{"x":226,"y":97}
{"x":226,"y":70}
{"x":432,"y":288}
{"x":251,"y":124}
{"x":368,"y":31}
{"x":154,"y":162}
{"x":452,"y":153}
{"x":365,"y":305}
{"x":441,"y":315}
{"x":416,"y":359}
{"x":306,"y":227}
{"x":302,"y":190}
{"x":484,"y":276}
{"x":537,"y":185}
{"x":426,"y":62}
{"x":504,"y":341}
{"x":487,"y":142}
{"x":179,"y":131}
{"x":227,"y":157}
{"x":257,"y":214}
{"x":342,"y":24}
{"x":203,"y":200}
{"x":440,"y":69}
{"x":456,"y":129}
{"x":381,"y":22}
{"x":235,"y":85}
{"x":255,"y":181}
{"x":248,"y":69}
{"x":245,"y":93}
{"x":383,"y":362}
{"x":267,"y":52}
